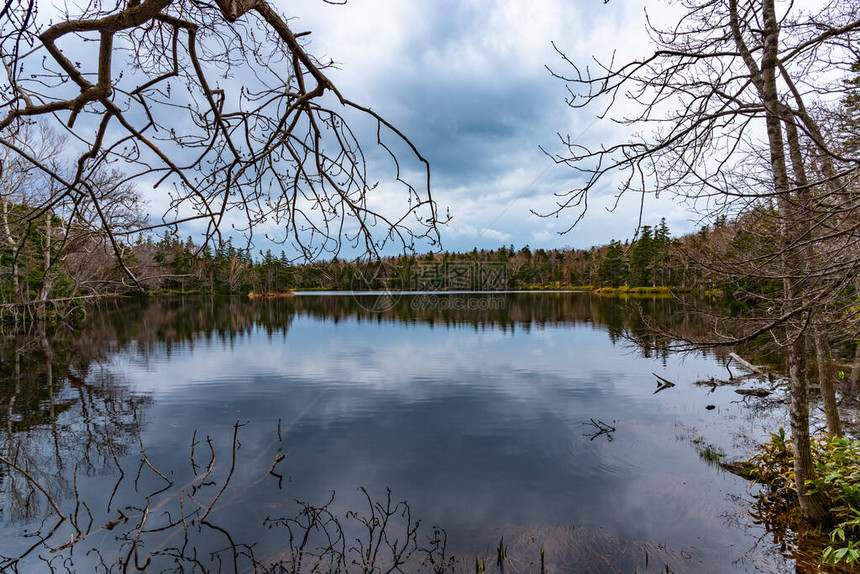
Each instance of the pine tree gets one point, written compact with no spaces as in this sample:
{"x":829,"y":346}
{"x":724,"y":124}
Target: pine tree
{"x":613,"y":269}
{"x":642,"y":259}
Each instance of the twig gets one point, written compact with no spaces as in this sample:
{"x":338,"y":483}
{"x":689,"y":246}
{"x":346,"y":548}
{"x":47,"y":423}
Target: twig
{"x":666,"y":382}
{"x":662,"y":383}
{"x":229,"y":474}
{"x":746,"y":364}
{"x":146,"y":458}
{"x":278,"y":457}
{"x":602,"y":428}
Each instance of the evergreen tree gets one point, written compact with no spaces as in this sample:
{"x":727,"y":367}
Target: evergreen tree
{"x":662,"y":242}
{"x":613,"y":269}
{"x":642,"y":259}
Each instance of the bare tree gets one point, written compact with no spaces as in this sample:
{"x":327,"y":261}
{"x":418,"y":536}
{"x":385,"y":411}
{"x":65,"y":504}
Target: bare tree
{"x":222,"y":108}
{"x":82,"y":238}
{"x":69,"y":241}
{"x":726,"y":109}
{"x":22,"y":184}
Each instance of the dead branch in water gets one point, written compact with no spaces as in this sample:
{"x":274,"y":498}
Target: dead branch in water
{"x":602,"y":429}
{"x":278,"y":458}
{"x":662,"y":383}
{"x":745,"y":364}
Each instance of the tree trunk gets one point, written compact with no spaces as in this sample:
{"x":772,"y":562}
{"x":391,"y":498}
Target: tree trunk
{"x":47,"y":252}
{"x":47,"y":277}
{"x":801,"y":211}
{"x":811,"y":505}
{"x":855,"y":369}
{"x":828,"y":390}
{"x":11,"y":241}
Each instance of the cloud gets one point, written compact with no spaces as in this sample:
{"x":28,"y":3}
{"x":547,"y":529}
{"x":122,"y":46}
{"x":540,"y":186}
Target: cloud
{"x":466,"y":81}
{"x":493,"y":234}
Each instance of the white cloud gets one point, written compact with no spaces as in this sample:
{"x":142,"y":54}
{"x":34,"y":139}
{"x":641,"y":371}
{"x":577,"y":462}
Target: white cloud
{"x":466,"y":81}
{"x":490,"y":233}
{"x":450,"y":62}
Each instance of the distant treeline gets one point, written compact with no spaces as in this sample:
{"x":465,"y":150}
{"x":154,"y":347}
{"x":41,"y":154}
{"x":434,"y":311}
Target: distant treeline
{"x":46,"y":269}
{"x":653,"y":259}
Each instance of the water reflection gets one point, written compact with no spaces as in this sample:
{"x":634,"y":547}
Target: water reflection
{"x":478,"y":415}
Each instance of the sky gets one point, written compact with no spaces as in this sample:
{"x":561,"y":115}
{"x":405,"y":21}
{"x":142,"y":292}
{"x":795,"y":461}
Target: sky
{"x":467,"y":82}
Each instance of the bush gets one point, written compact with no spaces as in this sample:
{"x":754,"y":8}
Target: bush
{"x":837,"y":463}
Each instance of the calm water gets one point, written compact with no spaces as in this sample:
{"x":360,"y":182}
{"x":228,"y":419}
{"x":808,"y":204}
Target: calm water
{"x":484,"y":414}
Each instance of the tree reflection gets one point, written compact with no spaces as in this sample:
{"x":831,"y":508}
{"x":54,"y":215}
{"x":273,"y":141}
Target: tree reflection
{"x":60,"y":425}
{"x":178,"y":521}
{"x":56,"y":388}
{"x":182,"y":520}
{"x":72,"y":426}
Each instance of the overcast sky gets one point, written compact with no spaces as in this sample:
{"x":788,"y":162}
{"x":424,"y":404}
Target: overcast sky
{"x":466,"y":81}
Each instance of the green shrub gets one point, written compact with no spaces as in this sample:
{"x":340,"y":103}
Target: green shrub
{"x":774,"y":465}
{"x":837,"y":464}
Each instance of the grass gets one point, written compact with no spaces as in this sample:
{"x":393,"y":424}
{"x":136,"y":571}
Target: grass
{"x":270,"y":294}
{"x":627,"y":290}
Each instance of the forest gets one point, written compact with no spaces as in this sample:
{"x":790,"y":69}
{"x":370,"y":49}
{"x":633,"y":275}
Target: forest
{"x":167,"y":265}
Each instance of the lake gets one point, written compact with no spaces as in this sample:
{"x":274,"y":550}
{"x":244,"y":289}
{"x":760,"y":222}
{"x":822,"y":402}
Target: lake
{"x":344,"y":432}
